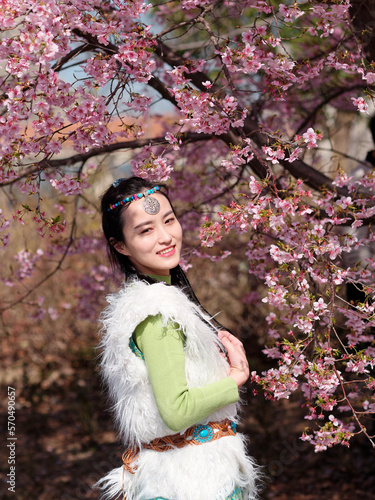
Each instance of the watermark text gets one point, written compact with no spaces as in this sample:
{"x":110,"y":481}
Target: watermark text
{"x":11,"y":439}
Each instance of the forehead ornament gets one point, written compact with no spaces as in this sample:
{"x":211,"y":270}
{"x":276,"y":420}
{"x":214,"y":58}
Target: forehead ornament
{"x":150,"y":205}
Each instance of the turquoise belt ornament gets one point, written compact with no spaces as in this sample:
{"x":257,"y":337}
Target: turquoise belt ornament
{"x":204,"y":433}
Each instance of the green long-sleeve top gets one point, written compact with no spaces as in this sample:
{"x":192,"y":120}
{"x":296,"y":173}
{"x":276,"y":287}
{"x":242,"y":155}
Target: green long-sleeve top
{"x":163,"y":351}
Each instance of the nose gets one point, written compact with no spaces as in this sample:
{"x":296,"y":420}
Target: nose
{"x":163,"y":235}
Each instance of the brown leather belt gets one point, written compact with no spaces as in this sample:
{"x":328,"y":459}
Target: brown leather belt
{"x":198,"y":434}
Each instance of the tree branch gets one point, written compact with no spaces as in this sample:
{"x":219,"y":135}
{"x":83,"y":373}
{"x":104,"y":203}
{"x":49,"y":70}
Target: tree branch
{"x":311,"y":117}
{"x":82,"y":157}
{"x":72,"y":54}
{"x":51,"y":273}
{"x":252,"y":129}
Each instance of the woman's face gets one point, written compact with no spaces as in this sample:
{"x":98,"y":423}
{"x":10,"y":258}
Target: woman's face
{"x":152,"y":242}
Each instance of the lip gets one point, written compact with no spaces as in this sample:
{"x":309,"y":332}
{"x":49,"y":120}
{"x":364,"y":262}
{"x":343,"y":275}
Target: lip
{"x":171,"y":251}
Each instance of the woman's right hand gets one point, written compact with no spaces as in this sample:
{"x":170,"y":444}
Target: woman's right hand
{"x":239,"y":367}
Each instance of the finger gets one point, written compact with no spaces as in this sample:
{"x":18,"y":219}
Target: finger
{"x":234,"y":340}
{"x":225,"y":333}
{"x":226,"y":343}
{"x":222,"y":333}
{"x":230,"y":346}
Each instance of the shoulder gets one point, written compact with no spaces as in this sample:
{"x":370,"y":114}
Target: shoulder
{"x":156,"y":296}
{"x":137,"y":300}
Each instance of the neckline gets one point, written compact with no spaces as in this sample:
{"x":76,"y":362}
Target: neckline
{"x":164,"y":279}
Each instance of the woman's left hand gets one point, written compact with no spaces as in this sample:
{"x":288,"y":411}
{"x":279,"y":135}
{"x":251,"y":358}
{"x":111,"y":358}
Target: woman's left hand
{"x":239,"y":367}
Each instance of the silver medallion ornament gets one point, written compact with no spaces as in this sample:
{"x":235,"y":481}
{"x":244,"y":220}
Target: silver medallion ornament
{"x":151,"y":205}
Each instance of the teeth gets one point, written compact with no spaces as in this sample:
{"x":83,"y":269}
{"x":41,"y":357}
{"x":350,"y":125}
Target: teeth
{"x":165,"y":251}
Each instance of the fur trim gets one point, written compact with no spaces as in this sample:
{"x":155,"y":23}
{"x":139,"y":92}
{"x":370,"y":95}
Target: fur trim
{"x":205,"y":472}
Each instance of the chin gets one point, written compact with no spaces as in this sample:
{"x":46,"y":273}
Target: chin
{"x":175,"y":262}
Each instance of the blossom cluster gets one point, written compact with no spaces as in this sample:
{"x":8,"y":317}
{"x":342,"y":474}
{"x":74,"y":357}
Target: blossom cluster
{"x":69,"y":185}
{"x":4,"y":224}
{"x":27,"y":263}
{"x":38,"y":102}
{"x":154,"y":168}
{"x":204,"y":113}
{"x":298,"y":256}
{"x":239,"y":156}
{"x":210,"y":233}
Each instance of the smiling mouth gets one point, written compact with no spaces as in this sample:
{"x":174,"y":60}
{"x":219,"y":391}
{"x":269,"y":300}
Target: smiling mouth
{"x":167,"y":251}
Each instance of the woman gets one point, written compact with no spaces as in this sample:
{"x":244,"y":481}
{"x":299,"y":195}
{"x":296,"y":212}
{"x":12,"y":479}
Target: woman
{"x":174,"y":391}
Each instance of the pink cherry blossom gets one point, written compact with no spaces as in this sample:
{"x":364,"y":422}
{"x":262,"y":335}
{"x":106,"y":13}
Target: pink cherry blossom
{"x":68,"y":185}
{"x":360,"y":103}
{"x":311,"y":137}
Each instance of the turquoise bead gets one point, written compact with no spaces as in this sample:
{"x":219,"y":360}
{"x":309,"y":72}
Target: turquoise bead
{"x":204,"y":433}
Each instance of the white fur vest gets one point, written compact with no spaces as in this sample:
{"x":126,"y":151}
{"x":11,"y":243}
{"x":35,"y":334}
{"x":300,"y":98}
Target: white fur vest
{"x":204,"y":472}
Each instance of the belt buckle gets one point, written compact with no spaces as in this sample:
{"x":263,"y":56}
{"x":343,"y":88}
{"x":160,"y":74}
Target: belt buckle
{"x":203,"y":433}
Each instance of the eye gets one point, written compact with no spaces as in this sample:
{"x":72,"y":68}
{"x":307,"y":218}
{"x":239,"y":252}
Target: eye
{"x":170,"y":220}
{"x":145,"y":231}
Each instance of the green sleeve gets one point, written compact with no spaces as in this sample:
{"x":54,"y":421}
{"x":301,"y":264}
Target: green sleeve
{"x":179,"y":406}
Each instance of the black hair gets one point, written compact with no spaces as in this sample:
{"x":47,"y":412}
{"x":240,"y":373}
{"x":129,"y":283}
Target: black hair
{"x":179,"y":279}
{"x":112,"y":223}
{"x":372,"y":128}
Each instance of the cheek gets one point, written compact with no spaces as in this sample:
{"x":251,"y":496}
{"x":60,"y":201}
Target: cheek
{"x":178,"y":233}
{"x":141,"y":247}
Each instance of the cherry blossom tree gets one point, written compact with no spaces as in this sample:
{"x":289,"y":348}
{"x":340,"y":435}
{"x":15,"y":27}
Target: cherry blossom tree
{"x":243,"y":94}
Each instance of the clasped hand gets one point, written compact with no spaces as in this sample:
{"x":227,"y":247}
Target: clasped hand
{"x":239,"y":367}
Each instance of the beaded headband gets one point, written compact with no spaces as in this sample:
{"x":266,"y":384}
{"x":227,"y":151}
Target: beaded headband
{"x":150,"y":205}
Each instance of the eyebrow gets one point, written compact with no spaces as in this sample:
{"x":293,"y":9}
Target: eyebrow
{"x":146,"y":223}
